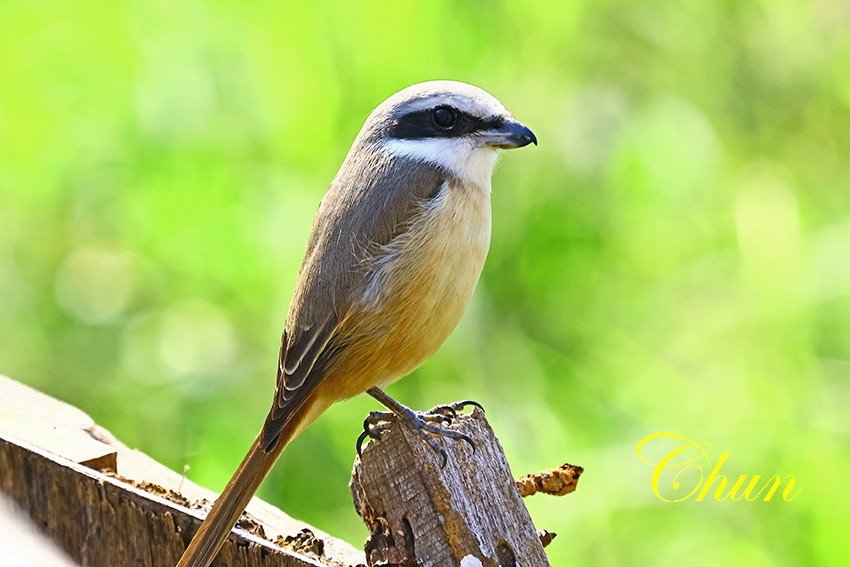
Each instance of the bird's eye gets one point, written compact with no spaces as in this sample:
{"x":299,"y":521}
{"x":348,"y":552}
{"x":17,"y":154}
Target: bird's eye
{"x":444,"y":117}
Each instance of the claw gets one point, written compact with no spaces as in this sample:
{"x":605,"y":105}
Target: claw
{"x":427,"y":425}
{"x":375,"y":423}
{"x":419,"y":424}
{"x":468,"y":439}
{"x":360,"y":439}
{"x":432,"y":443}
{"x":460,"y":406}
{"x":448,"y":412}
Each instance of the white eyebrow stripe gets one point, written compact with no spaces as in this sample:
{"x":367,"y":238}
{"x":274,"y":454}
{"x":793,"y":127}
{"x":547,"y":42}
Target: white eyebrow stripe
{"x":471,"y":106}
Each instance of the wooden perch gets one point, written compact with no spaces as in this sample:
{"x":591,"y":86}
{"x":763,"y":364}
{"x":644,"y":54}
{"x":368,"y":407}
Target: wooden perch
{"x":57,"y":466}
{"x":468,"y":513}
{"x":107,"y":505}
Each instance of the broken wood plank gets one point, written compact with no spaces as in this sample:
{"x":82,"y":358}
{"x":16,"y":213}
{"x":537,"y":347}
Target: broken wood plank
{"x":143,"y":514}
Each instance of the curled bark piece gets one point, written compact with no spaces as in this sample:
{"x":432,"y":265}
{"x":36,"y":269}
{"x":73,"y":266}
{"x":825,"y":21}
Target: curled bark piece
{"x":556,"y":482}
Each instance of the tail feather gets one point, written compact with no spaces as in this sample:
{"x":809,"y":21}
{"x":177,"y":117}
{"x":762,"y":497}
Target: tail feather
{"x":230,"y":505}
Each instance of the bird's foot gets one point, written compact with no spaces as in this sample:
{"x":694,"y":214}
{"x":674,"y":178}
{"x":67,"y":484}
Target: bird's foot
{"x":428,"y":425}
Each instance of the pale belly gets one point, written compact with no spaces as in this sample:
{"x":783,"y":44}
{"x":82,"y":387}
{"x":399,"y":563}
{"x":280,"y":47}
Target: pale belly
{"x":421,"y":291}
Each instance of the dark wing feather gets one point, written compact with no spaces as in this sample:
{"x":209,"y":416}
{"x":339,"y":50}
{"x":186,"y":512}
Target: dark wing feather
{"x":298,"y":355}
{"x":352,"y":220}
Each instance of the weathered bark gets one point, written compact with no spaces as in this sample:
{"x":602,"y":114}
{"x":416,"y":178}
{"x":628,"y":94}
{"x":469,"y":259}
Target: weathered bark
{"x":107,"y":505}
{"x":468,"y":513}
{"x":144,"y":515}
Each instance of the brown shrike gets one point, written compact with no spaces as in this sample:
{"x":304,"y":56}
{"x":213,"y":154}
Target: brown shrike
{"x":394,"y":255}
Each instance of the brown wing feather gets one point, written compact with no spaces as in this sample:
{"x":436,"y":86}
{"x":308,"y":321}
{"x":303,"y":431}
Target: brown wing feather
{"x":353,"y":219}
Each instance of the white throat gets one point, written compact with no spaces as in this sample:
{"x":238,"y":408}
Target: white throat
{"x":460,"y":156}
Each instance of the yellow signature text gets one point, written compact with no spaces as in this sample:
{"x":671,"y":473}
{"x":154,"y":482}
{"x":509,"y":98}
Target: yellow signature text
{"x":684,"y":470}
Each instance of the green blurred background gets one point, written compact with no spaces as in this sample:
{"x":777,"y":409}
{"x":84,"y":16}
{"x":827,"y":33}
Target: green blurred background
{"x":674,"y":256}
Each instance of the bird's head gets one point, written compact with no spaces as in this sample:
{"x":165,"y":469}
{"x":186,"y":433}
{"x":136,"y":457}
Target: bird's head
{"x":448,"y":124}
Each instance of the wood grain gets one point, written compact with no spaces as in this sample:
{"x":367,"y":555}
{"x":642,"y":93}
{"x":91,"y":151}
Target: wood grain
{"x":143,"y":515}
{"x":422,"y":514}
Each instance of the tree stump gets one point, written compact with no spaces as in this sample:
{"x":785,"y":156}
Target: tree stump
{"x":468,"y":513}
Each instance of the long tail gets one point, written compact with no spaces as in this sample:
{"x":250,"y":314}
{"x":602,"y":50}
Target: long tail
{"x":230,"y":505}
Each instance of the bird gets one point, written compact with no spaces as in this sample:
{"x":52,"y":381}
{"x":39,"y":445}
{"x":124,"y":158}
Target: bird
{"x":393,"y":257}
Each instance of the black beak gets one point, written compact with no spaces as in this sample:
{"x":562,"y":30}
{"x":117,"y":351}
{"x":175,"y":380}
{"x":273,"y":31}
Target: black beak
{"x":511,"y":134}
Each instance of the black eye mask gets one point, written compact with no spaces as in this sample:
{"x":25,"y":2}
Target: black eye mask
{"x":439,"y":122}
